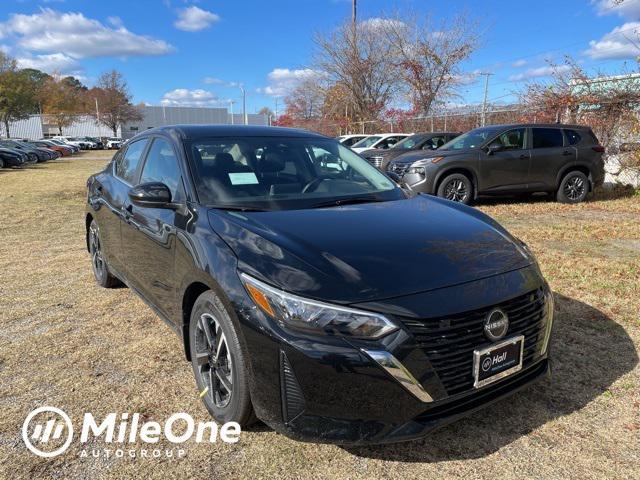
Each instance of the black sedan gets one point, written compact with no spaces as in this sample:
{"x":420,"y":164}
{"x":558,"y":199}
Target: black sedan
{"x":310,"y":290}
{"x":12,"y":158}
{"x":380,"y":158}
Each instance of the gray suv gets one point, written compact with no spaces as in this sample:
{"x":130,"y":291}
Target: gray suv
{"x":508,"y":159}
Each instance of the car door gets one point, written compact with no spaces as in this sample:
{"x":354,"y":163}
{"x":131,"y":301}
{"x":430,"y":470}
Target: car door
{"x":508,"y":168}
{"x":149,"y":234}
{"x":114,"y":193}
{"x":548,"y":155}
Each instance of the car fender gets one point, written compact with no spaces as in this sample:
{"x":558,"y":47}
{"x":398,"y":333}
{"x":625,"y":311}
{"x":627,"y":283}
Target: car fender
{"x":456,"y":165}
{"x":572,"y":166}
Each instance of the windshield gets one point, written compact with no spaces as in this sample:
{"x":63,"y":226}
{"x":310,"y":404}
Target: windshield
{"x":275,"y":173}
{"x":472,"y":139}
{"x":367,"y":142}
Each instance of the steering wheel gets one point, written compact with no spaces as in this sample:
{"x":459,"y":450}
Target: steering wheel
{"x":313,"y":185}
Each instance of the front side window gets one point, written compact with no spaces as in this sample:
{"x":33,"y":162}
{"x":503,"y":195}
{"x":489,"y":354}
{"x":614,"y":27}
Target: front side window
{"x":275,"y":173}
{"x":547,"y":137}
{"x":473,"y":139}
{"x":162,"y":166}
{"x":127,"y":164}
{"x":512,"y":139}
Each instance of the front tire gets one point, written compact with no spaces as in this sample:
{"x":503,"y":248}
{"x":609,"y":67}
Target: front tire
{"x":219,"y":362}
{"x":457,"y":188}
{"x":574,"y":188}
{"x":98,"y":263}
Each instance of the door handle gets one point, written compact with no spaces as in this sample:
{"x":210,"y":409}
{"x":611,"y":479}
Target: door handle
{"x":567,"y":152}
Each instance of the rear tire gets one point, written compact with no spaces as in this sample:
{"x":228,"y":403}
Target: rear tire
{"x":457,"y":188}
{"x":574,"y":188}
{"x":101,"y":273}
{"x":219,"y":362}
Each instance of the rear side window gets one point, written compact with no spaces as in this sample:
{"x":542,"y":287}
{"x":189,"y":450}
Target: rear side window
{"x":127,"y":164}
{"x":547,"y":138}
{"x":162,"y":166}
{"x":573,"y":137}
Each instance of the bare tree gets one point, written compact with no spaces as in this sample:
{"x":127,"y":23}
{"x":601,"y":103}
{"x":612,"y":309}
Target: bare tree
{"x":360,"y":57}
{"x":430,"y":56}
{"x":114,"y":101}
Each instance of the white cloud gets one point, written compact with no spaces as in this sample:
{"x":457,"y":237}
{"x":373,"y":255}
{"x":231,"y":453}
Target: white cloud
{"x":628,"y":8}
{"x":184,"y":97}
{"x":194,"y":19}
{"x":622,"y":42}
{"x":378,"y":23}
{"x":212,"y":81}
{"x":539,"y":72}
{"x":77,"y":36}
{"x":283,"y":80}
{"x":519,"y":63}
{"x":53,"y":63}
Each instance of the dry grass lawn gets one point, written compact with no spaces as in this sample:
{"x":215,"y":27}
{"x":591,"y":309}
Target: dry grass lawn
{"x":67,"y":343}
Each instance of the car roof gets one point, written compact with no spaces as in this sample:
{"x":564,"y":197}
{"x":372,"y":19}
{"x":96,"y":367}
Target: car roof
{"x":188,"y":132}
{"x":543,"y":125}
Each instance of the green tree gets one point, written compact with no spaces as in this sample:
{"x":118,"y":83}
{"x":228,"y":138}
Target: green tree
{"x":17,"y":93}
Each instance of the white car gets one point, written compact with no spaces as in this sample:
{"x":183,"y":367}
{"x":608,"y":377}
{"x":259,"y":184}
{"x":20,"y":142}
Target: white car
{"x":114,"y":143}
{"x":349,"y":140}
{"x":382,"y":141}
{"x":83,"y":144}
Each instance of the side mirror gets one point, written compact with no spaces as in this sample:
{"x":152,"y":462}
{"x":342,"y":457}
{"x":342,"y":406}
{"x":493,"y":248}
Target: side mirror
{"x":151,"y":195}
{"x":494,"y":147}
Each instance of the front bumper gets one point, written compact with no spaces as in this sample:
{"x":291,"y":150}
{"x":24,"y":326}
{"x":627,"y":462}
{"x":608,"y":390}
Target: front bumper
{"x":330,"y":390}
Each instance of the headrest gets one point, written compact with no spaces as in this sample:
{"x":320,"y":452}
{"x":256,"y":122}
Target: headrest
{"x":271,"y":162}
{"x":224,"y":161}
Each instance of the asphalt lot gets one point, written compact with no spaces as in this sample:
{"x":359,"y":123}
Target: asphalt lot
{"x":67,"y":343}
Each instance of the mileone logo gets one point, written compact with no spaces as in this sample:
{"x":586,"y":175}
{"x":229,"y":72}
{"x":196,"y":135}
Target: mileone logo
{"x":48,"y":432}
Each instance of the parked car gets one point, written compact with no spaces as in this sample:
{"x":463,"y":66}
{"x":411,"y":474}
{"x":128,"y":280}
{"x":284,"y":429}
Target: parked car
{"x":565,"y":160}
{"x":12,"y":158}
{"x":81,"y":144}
{"x":62,"y":150}
{"x":52,"y":152}
{"x":350,"y":140}
{"x":94,"y":143}
{"x":380,"y":158}
{"x":381,"y":141}
{"x":57,"y":141}
{"x":114,"y":143}
{"x":309,"y":290}
{"x":34,"y":153}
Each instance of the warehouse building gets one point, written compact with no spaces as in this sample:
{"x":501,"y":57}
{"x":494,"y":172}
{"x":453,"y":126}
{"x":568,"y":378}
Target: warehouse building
{"x":43,"y":126}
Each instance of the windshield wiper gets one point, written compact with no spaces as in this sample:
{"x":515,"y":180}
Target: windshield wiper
{"x":239,"y":208}
{"x":346,"y":201}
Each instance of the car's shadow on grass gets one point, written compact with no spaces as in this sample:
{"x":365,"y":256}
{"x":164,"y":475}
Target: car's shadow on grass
{"x":589,"y":352}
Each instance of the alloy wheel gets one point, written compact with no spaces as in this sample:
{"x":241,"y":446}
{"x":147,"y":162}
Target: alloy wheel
{"x":456,"y":190}
{"x":213,"y":359}
{"x":95,"y":248}
{"x":574,"y":188}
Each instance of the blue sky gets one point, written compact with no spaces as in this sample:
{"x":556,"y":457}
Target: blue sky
{"x":194,"y":52}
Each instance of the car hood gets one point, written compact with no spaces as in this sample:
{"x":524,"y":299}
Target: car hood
{"x":371,"y":251}
{"x":422,"y":154}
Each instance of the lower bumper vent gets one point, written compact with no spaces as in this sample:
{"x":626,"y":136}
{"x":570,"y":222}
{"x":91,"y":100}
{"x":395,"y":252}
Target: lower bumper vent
{"x":292,"y":397}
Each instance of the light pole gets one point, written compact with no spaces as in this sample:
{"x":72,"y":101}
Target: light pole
{"x":486,"y":91}
{"x":231,"y":102}
{"x":244,"y":104}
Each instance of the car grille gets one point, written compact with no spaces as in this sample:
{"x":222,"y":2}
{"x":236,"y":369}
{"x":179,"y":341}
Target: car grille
{"x":449,"y":341}
{"x":398,"y":168}
{"x":375,"y":161}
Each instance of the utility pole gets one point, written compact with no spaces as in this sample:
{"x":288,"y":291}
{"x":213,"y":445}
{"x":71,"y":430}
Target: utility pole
{"x":231,"y":102}
{"x":354,"y":11}
{"x":244,"y":104}
{"x":97,"y":110}
{"x":486,"y":93}
{"x":276,"y":112}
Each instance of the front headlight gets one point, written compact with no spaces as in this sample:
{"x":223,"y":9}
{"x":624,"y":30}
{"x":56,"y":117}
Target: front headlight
{"x":315,"y":317}
{"x":420,"y":170}
{"x":549,"y":307}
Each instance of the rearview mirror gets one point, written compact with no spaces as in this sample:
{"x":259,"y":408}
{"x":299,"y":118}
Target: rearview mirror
{"x":151,"y":195}
{"x":494,"y":147}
